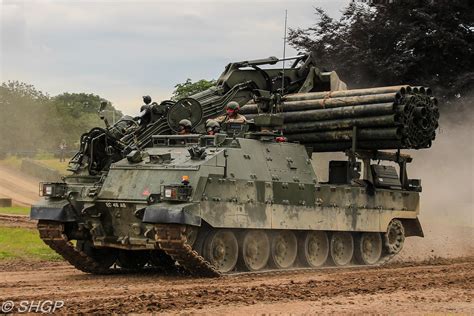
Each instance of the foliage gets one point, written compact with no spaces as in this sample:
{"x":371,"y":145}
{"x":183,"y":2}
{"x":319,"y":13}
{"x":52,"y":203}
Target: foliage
{"x":34,"y":122}
{"x":16,"y":210}
{"x":183,"y":90}
{"x":21,"y":243}
{"x":24,"y":90}
{"x":407,"y":41}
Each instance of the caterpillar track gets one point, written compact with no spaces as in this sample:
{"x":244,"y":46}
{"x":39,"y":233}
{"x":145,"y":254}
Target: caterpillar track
{"x":53,"y":235}
{"x":171,"y":239}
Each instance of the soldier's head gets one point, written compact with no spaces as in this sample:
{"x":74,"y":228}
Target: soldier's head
{"x":232,"y":108}
{"x":212,"y":127}
{"x":184,"y":127}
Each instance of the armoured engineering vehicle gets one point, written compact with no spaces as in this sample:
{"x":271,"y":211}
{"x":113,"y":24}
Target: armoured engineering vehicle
{"x":248,"y":198}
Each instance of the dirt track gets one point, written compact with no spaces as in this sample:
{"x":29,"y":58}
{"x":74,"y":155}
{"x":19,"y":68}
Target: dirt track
{"x":22,"y":189}
{"x":436,"y":286}
{"x":20,"y":221}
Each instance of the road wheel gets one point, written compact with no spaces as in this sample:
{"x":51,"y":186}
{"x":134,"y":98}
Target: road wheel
{"x":254,"y":250}
{"x":368,"y":248}
{"x":133,"y":259}
{"x":313,"y":248}
{"x":284,"y":247}
{"x":221,"y":250}
{"x":394,"y":238}
{"x":341,"y":248}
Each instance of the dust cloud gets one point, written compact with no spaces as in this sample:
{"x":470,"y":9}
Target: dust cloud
{"x":446,"y":170}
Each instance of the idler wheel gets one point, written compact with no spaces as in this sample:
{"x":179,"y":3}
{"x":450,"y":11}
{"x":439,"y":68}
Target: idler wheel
{"x":284,"y":247}
{"x":341,"y":248}
{"x":221,"y":250}
{"x":368,"y":248}
{"x":254,"y":250}
{"x":313,"y":248}
{"x":105,"y":257}
{"x":394,"y":238}
{"x":133,"y":259}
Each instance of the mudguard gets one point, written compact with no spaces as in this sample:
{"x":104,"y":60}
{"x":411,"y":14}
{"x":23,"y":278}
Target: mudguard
{"x":167,"y":213}
{"x":412,"y":227}
{"x":51,"y":210}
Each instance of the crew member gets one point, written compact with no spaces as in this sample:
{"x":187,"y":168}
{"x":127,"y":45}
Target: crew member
{"x":212,"y":127}
{"x":184,"y":127}
{"x":232,"y":114}
{"x":62,"y":151}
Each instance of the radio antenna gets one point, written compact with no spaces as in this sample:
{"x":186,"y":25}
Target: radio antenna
{"x":284,"y":55}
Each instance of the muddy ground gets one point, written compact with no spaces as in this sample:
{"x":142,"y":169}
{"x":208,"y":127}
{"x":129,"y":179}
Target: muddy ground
{"x":440,"y":285}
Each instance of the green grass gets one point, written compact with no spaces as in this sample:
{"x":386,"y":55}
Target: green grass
{"x":25,"y":244}
{"x":16,"y":210}
{"x":56,"y":165}
{"x":12,"y":162}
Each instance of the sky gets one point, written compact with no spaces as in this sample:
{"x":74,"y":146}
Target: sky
{"x":122,"y":50}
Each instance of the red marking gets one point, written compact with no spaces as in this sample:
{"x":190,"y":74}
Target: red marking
{"x":146,"y":192}
{"x":281,"y":139}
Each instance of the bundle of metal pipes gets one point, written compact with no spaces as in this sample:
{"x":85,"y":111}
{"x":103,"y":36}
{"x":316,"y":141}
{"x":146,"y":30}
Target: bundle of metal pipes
{"x":386,"y":118}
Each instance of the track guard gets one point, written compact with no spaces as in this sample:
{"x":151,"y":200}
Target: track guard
{"x":167,"y":213}
{"x":412,"y":227}
{"x":58,"y":211}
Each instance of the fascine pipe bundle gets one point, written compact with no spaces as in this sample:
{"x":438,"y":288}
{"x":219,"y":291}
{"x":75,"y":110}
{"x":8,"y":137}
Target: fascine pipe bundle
{"x":395,"y":117}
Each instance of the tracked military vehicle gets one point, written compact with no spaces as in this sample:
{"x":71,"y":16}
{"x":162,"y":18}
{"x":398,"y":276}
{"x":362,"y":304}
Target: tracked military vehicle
{"x":247,"y":198}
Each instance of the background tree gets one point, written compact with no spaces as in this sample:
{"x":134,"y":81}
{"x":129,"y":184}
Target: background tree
{"x":76,"y":113}
{"x":33,"y":121}
{"x":183,"y":90}
{"x":407,"y":41}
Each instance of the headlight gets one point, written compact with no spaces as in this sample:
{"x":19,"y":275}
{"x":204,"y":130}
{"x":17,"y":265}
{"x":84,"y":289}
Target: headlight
{"x":176,"y":192}
{"x":51,"y":189}
{"x":47,"y":190}
{"x":169,"y":192}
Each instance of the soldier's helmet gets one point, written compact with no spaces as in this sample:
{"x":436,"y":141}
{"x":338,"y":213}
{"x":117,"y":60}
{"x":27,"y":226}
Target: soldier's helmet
{"x":212,"y":124}
{"x":212,"y":127}
{"x":185,"y":123}
{"x":146,"y":99}
{"x":232,"y":105}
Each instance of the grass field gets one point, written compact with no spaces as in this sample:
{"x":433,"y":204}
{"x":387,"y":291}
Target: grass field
{"x":25,"y":244}
{"x":56,"y":165}
{"x":53,"y":163}
{"x":15,"y":210}
{"x":22,"y":243}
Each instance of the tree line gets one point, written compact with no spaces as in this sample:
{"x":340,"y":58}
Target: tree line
{"x":34,"y":122}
